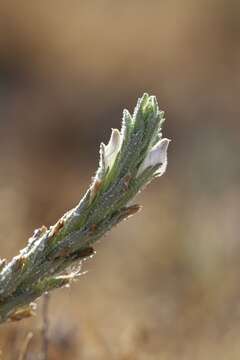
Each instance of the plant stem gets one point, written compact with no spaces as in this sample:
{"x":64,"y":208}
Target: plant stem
{"x":53,"y":256}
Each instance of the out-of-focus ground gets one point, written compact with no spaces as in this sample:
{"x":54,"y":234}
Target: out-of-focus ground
{"x":164,"y":285}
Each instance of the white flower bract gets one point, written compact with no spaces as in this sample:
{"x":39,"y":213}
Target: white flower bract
{"x":156,"y":156}
{"x":111,"y":150}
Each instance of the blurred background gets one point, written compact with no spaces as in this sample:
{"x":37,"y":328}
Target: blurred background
{"x":164,"y":285}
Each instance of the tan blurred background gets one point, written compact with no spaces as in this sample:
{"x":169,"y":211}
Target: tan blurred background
{"x":164,"y":285}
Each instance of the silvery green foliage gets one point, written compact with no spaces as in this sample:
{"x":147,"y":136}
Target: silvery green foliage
{"x":53,"y":256}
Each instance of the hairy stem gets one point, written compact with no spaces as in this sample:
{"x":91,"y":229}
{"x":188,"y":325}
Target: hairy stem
{"x":53,"y":256}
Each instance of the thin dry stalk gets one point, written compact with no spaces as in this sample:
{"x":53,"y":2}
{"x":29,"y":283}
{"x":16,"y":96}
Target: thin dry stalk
{"x":45,"y":328}
{"x":25,"y":346}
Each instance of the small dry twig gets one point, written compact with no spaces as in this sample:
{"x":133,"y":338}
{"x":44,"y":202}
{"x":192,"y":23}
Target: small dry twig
{"x":25,"y":346}
{"x":45,"y":328}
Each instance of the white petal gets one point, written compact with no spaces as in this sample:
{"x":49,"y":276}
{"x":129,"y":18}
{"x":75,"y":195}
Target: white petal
{"x":108,"y":155}
{"x":112,"y":148}
{"x":157,"y":155}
